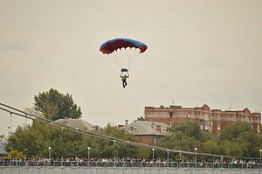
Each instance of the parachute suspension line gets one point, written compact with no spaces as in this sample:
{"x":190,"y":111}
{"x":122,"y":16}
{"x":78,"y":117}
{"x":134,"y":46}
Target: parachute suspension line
{"x":116,"y":63}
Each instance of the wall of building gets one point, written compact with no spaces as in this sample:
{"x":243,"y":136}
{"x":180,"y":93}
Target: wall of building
{"x":212,"y":120}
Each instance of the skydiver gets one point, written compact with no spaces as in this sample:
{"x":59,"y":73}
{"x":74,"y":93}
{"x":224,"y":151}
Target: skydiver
{"x":124,"y":78}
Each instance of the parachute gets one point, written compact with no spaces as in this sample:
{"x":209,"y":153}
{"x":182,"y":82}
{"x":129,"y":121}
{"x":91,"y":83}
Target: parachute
{"x":114,"y":44}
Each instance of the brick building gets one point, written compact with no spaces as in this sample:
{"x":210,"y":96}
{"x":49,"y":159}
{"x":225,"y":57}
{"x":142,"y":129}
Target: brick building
{"x":212,"y":120}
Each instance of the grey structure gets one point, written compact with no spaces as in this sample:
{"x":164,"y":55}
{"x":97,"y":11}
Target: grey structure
{"x":2,"y":148}
{"x":148,"y":132}
{"x":139,"y":127}
{"x":77,"y":123}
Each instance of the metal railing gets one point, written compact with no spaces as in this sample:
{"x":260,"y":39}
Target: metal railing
{"x":249,"y":165}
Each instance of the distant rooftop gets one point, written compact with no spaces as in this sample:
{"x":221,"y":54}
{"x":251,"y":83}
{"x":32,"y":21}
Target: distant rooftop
{"x":77,"y":123}
{"x":2,"y":148}
{"x":139,"y":127}
{"x":205,"y":107}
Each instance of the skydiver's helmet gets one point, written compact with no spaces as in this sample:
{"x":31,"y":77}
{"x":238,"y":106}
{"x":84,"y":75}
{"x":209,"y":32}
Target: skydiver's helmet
{"x":124,"y":72}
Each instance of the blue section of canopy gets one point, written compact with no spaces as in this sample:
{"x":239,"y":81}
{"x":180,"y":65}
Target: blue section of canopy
{"x":136,"y":43}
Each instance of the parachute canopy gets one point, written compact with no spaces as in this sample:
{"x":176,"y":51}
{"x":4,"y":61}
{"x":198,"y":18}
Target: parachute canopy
{"x":112,"y":45}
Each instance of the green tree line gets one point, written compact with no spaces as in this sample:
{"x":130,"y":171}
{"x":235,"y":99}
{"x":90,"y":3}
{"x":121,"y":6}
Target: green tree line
{"x":33,"y":141}
{"x":237,"y":140}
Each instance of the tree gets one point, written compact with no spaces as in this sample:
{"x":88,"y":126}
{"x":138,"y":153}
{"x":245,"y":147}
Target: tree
{"x":188,"y":129}
{"x":14,"y":154}
{"x":212,"y":146}
{"x":34,"y":141}
{"x":232,"y":148}
{"x":121,"y":150}
{"x":185,"y":136}
{"x":233,"y":132}
{"x":245,"y":141}
{"x":55,"y":105}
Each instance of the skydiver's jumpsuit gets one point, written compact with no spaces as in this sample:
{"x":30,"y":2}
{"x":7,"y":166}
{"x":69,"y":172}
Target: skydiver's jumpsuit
{"x":124,"y":78}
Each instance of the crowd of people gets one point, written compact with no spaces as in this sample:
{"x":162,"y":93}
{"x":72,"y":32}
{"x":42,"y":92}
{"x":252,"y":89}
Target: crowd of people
{"x":103,"y":162}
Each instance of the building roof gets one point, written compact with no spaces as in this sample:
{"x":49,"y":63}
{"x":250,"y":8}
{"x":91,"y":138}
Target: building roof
{"x":139,"y":127}
{"x":77,"y":123}
{"x":2,"y":151}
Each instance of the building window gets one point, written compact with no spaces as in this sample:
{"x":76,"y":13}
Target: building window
{"x":170,"y":115}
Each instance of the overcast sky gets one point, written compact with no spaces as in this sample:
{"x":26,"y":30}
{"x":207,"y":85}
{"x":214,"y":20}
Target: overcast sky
{"x":199,"y":52}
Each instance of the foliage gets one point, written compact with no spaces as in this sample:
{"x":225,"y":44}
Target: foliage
{"x":212,"y":146}
{"x":240,"y":140}
{"x":41,"y":139}
{"x":187,"y":129}
{"x":237,"y":140}
{"x":15,"y":154}
{"x":121,"y":150}
{"x":184,"y":136}
{"x":233,"y":132}
{"x":2,"y":137}
{"x":55,"y":105}
{"x":34,"y":141}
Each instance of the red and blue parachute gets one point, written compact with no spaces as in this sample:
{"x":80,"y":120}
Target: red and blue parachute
{"x":112,"y":45}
